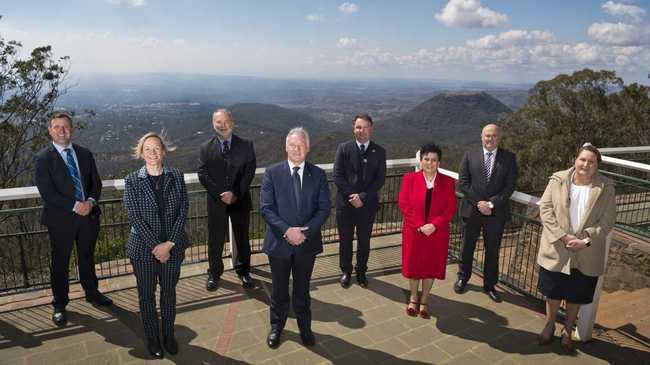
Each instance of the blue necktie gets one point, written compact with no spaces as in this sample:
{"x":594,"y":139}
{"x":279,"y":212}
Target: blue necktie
{"x":74,"y":174}
{"x":296,"y":185}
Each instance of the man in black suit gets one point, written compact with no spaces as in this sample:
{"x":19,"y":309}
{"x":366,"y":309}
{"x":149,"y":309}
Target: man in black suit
{"x":226,"y":169}
{"x":295,"y":203}
{"x":359,"y":173}
{"x":67,"y":179}
{"x":487,"y":178}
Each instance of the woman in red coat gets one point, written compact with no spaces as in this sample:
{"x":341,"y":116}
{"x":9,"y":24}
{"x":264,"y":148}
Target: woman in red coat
{"x":427,"y":200}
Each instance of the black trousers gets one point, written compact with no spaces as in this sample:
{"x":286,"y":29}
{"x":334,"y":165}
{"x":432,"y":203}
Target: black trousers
{"x":217,"y":229}
{"x":300,"y":268}
{"x":148,"y":274}
{"x":83,"y":231}
{"x":347,"y":219}
{"x":492,"y":228}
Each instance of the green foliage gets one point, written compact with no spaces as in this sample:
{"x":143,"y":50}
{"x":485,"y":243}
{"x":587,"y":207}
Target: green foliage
{"x":29,"y":87}
{"x":569,"y":110}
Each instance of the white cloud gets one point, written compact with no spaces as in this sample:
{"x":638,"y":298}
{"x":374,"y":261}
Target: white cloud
{"x":619,"y":34}
{"x":470,"y":14}
{"x":633,"y":12}
{"x":511,"y":38}
{"x":133,"y":3}
{"x":349,"y":8}
{"x":347,"y":42}
{"x":316,"y":18}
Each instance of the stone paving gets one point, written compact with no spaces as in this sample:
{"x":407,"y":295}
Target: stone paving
{"x":352,"y":326}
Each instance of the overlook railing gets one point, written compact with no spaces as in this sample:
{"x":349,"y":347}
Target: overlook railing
{"x":25,"y":249}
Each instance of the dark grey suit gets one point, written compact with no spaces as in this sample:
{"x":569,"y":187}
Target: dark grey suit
{"x":219,"y":172}
{"x":57,"y":190}
{"x":355,"y":173}
{"x":472,"y":183}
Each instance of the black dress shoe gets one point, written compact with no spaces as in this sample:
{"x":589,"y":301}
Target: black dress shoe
{"x":273,"y":339}
{"x":153,"y":346}
{"x":212,"y":284}
{"x":170,"y":344}
{"x":59,"y":317}
{"x":308,"y":338}
{"x":246,"y":281}
{"x":99,"y":299}
{"x":345,"y":280}
{"x":460,"y":286}
{"x":493,"y":295}
{"x":362,"y":280}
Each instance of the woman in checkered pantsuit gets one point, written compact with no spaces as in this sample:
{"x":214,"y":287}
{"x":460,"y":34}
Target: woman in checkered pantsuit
{"x":156,"y":201}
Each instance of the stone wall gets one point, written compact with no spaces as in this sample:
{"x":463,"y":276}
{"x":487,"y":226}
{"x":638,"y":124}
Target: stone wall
{"x":628,"y":266}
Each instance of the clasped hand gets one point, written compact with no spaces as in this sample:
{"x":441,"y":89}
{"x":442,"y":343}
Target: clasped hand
{"x":227,"y":197}
{"x":295,"y":235}
{"x":573,"y":243}
{"x":427,"y":229}
{"x":355,"y":200}
{"x":83,"y":208}
{"x":484,"y":207}
{"x":162,"y":251}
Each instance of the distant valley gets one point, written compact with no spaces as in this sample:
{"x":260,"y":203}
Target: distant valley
{"x":406,"y":114}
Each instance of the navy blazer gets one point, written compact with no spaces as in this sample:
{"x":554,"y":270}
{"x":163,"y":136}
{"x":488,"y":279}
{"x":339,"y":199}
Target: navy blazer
{"x":352,"y":176}
{"x":142,"y":209}
{"x":278,"y":207}
{"x":472,"y":183}
{"x":55,"y":185}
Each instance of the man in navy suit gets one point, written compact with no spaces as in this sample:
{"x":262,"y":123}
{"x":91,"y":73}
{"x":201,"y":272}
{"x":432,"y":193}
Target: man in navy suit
{"x":487,"y":178}
{"x":67,"y":179}
{"x":359,"y":173}
{"x":295,"y":203}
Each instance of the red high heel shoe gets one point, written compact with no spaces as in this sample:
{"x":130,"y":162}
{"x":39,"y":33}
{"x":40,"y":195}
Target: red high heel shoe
{"x":411,"y":311}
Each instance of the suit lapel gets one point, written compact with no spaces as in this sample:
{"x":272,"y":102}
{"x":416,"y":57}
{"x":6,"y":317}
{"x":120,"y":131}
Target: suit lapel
{"x":307,"y":186}
{"x":480,"y":167}
{"x":60,"y":165}
{"x":146,"y":187}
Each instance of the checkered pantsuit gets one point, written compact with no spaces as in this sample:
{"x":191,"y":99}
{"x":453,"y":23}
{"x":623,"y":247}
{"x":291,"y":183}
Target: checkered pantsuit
{"x":148,"y":275}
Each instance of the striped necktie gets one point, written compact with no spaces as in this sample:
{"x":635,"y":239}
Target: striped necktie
{"x":488,"y":166}
{"x":74,"y":174}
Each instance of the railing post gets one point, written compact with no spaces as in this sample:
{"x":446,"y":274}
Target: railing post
{"x":587,"y":314}
{"x":233,"y":247}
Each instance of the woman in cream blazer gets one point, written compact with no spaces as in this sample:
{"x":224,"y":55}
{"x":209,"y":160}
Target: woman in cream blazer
{"x":578,"y":210}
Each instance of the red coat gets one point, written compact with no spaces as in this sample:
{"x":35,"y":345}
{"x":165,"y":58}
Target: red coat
{"x":425,"y":257}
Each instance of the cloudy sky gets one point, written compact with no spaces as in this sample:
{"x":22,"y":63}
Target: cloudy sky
{"x":481,"y":40}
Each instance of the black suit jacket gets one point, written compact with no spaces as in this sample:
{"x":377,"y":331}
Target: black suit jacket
{"x":472,"y":183}
{"x":142,"y":209}
{"x":352,"y":176}
{"x":55,"y":185}
{"x":235,"y":173}
{"x":278,"y":207}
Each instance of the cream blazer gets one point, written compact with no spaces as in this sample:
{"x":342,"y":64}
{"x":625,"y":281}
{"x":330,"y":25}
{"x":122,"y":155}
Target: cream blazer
{"x":597,"y":222}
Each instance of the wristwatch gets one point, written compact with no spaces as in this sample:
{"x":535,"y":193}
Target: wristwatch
{"x":587,"y":242}
{"x":491,"y":205}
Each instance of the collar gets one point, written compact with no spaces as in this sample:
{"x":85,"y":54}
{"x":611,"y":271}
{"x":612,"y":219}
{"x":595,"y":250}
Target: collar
{"x":291,"y":166}
{"x":494,"y":153}
{"x":60,"y":148}
{"x":364,"y":144}
{"x":221,"y":140}
{"x":142,"y":172}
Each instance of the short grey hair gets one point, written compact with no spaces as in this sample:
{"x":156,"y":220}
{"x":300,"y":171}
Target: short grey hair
{"x":225,"y":111}
{"x":298,"y":130}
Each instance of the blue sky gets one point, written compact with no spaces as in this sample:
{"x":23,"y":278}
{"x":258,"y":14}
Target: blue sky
{"x":488,"y":40}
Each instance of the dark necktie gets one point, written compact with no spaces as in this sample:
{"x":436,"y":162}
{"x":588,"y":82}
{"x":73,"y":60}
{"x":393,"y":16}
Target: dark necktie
{"x":226,"y":148}
{"x":74,"y":174}
{"x":296,"y":185}
{"x":488,"y":166}
{"x":362,"y":148}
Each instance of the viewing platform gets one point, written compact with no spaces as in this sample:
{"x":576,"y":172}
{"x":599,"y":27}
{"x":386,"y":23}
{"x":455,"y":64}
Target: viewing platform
{"x":355,"y":325}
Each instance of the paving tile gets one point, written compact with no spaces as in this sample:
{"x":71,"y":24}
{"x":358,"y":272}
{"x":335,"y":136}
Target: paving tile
{"x":57,"y":356}
{"x":466,"y":358}
{"x":428,"y":354}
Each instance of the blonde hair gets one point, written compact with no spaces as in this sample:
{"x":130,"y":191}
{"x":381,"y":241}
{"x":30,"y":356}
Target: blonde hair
{"x":162,"y":137}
